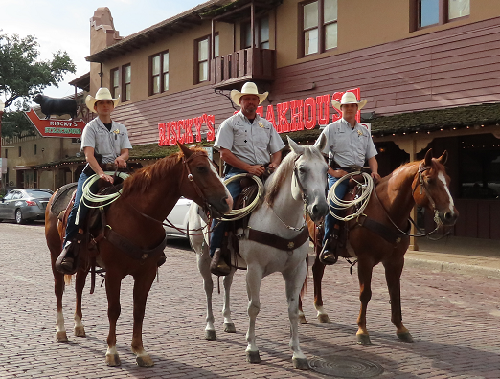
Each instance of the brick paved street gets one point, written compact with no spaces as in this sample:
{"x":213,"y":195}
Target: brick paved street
{"x":453,"y":318}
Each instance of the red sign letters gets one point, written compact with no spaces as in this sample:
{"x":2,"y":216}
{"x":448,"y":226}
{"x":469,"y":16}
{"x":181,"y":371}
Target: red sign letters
{"x":56,"y":128}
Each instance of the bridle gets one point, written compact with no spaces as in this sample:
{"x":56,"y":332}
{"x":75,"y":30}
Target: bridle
{"x":423,"y":187}
{"x":304,"y":199}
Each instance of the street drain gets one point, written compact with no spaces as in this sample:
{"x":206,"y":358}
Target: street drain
{"x":345,"y":367}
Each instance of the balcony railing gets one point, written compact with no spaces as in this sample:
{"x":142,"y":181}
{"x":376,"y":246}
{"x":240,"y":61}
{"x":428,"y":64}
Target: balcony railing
{"x":243,"y":65}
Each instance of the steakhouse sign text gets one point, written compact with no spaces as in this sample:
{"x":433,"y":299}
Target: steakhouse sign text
{"x":289,"y":116}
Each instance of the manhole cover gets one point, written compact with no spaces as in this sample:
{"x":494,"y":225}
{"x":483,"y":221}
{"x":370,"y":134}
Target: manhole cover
{"x":345,"y":367}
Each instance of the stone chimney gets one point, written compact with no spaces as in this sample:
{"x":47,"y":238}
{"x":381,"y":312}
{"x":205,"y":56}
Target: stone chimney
{"x":102,"y":31}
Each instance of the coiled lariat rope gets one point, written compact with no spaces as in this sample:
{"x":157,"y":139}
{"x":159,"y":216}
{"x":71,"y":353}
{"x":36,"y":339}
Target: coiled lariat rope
{"x":361,"y":201}
{"x":240,"y":213}
{"x":89,"y":198}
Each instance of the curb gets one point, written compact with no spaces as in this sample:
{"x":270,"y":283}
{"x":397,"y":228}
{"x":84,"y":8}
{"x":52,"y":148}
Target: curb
{"x":440,"y":266}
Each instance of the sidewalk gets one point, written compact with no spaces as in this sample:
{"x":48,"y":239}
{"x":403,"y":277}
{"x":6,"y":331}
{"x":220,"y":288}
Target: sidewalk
{"x":470,"y":256}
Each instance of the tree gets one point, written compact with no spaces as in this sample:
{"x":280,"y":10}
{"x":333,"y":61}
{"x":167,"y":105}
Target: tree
{"x":22,"y":74}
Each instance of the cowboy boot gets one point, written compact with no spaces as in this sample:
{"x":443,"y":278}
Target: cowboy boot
{"x":218,"y":265}
{"x":66,"y":261}
{"x":328,"y":255}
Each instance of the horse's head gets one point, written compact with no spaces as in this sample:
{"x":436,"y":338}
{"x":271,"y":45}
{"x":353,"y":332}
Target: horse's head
{"x":430,"y":189}
{"x":309,"y":178}
{"x":201,"y":183}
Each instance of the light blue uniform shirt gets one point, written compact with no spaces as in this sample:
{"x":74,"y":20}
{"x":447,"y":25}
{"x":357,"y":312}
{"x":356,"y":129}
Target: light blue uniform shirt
{"x":107,"y":143}
{"x":252,"y":143}
{"x":348,"y":146}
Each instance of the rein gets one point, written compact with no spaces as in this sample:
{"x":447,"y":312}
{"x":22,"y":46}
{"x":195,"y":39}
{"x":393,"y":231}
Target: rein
{"x":304,"y":199}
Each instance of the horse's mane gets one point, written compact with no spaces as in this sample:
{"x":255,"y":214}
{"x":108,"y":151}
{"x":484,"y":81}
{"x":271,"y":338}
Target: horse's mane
{"x":436,"y":165}
{"x":142,"y":179}
{"x":284,"y":170}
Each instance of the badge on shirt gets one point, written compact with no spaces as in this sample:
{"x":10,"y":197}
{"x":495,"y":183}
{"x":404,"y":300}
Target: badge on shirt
{"x":116,"y":131}
{"x":360,"y":133}
{"x":261,"y":124}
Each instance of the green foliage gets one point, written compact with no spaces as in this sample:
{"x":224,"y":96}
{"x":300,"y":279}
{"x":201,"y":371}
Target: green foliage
{"x":22,"y":74}
{"x":15,"y":123}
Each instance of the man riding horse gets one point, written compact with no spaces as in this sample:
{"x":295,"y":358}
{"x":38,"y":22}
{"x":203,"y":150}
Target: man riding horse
{"x":101,"y":138}
{"x":247,"y":142}
{"x":348,"y":145}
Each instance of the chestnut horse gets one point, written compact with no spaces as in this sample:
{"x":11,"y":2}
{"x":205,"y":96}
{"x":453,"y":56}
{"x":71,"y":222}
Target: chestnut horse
{"x":147,"y":198}
{"x":424,"y":183}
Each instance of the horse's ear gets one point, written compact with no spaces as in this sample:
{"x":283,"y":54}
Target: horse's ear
{"x":428,"y":158}
{"x":185,"y":150}
{"x":443,"y":158}
{"x":295,"y":148}
{"x":322,"y":142}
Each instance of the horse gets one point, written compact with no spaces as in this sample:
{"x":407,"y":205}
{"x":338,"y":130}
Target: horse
{"x":424,"y":183}
{"x":148,"y":196}
{"x":299,"y":180}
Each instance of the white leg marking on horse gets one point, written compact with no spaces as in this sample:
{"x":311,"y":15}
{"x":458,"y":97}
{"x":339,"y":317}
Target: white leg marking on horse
{"x":452,"y":204}
{"x":111,"y":350}
{"x":60,"y":322}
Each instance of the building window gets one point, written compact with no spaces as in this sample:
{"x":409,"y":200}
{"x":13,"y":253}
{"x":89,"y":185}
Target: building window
{"x":202,"y":57}
{"x":19,"y":151}
{"x":438,"y":12}
{"x":34,"y":149}
{"x":160,"y":77}
{"x":319,"y":26}
{"x":127,"y":71}
{"x":261,"y":34}
{"x":6,"y":153}
{"x":115,"y":82}
{"x":216,"y":45}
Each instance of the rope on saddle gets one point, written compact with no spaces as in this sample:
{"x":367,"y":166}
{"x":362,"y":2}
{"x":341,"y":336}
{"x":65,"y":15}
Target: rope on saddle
{"x":103,"y":200}
{"x":361,"y":201}
{"x":240,"y":213}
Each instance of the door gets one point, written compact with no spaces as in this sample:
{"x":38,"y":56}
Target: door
{"x":7,"y":204}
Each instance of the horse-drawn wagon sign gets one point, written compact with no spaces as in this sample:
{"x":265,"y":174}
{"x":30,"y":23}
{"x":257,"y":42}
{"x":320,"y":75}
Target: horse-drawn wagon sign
{"x":56,"y":128}
{"x":288,"y":116}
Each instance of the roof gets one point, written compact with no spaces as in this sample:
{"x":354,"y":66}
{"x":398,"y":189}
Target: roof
{"x":234,"y":9}
{"x":82,"y":82}
{"x":172,"y":25}
{"x":431,"y":120}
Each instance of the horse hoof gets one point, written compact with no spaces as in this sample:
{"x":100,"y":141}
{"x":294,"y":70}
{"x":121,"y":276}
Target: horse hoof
{"x":302,"y":319}
{"x":61,"y":337}
{"x":113,"y":360}
{"x":144,"y":361}
{"x":79,"y":331}
{"x":323,"y":318}
{"x":210,"y":335}
{"x":405,"y":337}
{"x":300,"y":363}
{"x":229,"y":327}
{"x":363,"y":339}
{"x":253,"y":357}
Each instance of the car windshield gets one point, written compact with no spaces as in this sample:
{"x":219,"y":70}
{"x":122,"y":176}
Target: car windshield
{"x":36,"y":193}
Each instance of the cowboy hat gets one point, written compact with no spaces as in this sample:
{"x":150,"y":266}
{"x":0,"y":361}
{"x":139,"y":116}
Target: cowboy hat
{"x":349,"y":98}
{"x":249,"y":88}
{"x":102,"y":94}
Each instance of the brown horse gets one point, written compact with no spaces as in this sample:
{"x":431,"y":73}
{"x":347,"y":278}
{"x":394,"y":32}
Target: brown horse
{"x":423,"y":183}
{"x":147,"y":198}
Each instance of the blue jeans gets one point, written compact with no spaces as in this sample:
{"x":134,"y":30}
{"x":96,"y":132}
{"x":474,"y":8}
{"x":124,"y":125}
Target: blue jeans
{"x":219,"y":227}
{"x":340,"y":192}
{"x":71,"y":228}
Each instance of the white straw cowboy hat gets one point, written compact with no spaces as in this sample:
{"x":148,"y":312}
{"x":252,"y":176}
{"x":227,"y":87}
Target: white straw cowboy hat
{"x":349,"y":98}
{"x":102,"y":94}
{"x":249,"y":88}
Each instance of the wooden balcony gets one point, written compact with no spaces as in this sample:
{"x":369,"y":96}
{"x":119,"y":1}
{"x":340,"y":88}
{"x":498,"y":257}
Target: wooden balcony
{"x":252,"y":64}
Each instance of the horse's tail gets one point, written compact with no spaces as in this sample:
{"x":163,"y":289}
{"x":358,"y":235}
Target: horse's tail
{"x":67,"y":279}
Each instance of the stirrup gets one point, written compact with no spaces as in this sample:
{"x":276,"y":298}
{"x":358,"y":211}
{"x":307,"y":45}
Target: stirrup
{"x":218,"y":265}
{"x":327,"y":256}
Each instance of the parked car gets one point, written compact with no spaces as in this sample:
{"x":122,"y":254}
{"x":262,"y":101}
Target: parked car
{"x":23,"y":205}
{"x":179,"y":218}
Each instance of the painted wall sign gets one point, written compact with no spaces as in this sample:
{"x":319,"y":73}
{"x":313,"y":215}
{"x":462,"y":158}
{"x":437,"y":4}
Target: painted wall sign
{"x":56,"y":128}
{"x":289,"y":116}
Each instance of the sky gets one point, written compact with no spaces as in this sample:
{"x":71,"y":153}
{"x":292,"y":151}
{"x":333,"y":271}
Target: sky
{"x":65,"y":25}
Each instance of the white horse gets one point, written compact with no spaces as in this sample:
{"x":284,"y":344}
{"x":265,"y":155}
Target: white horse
{"x":300,"y":179}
